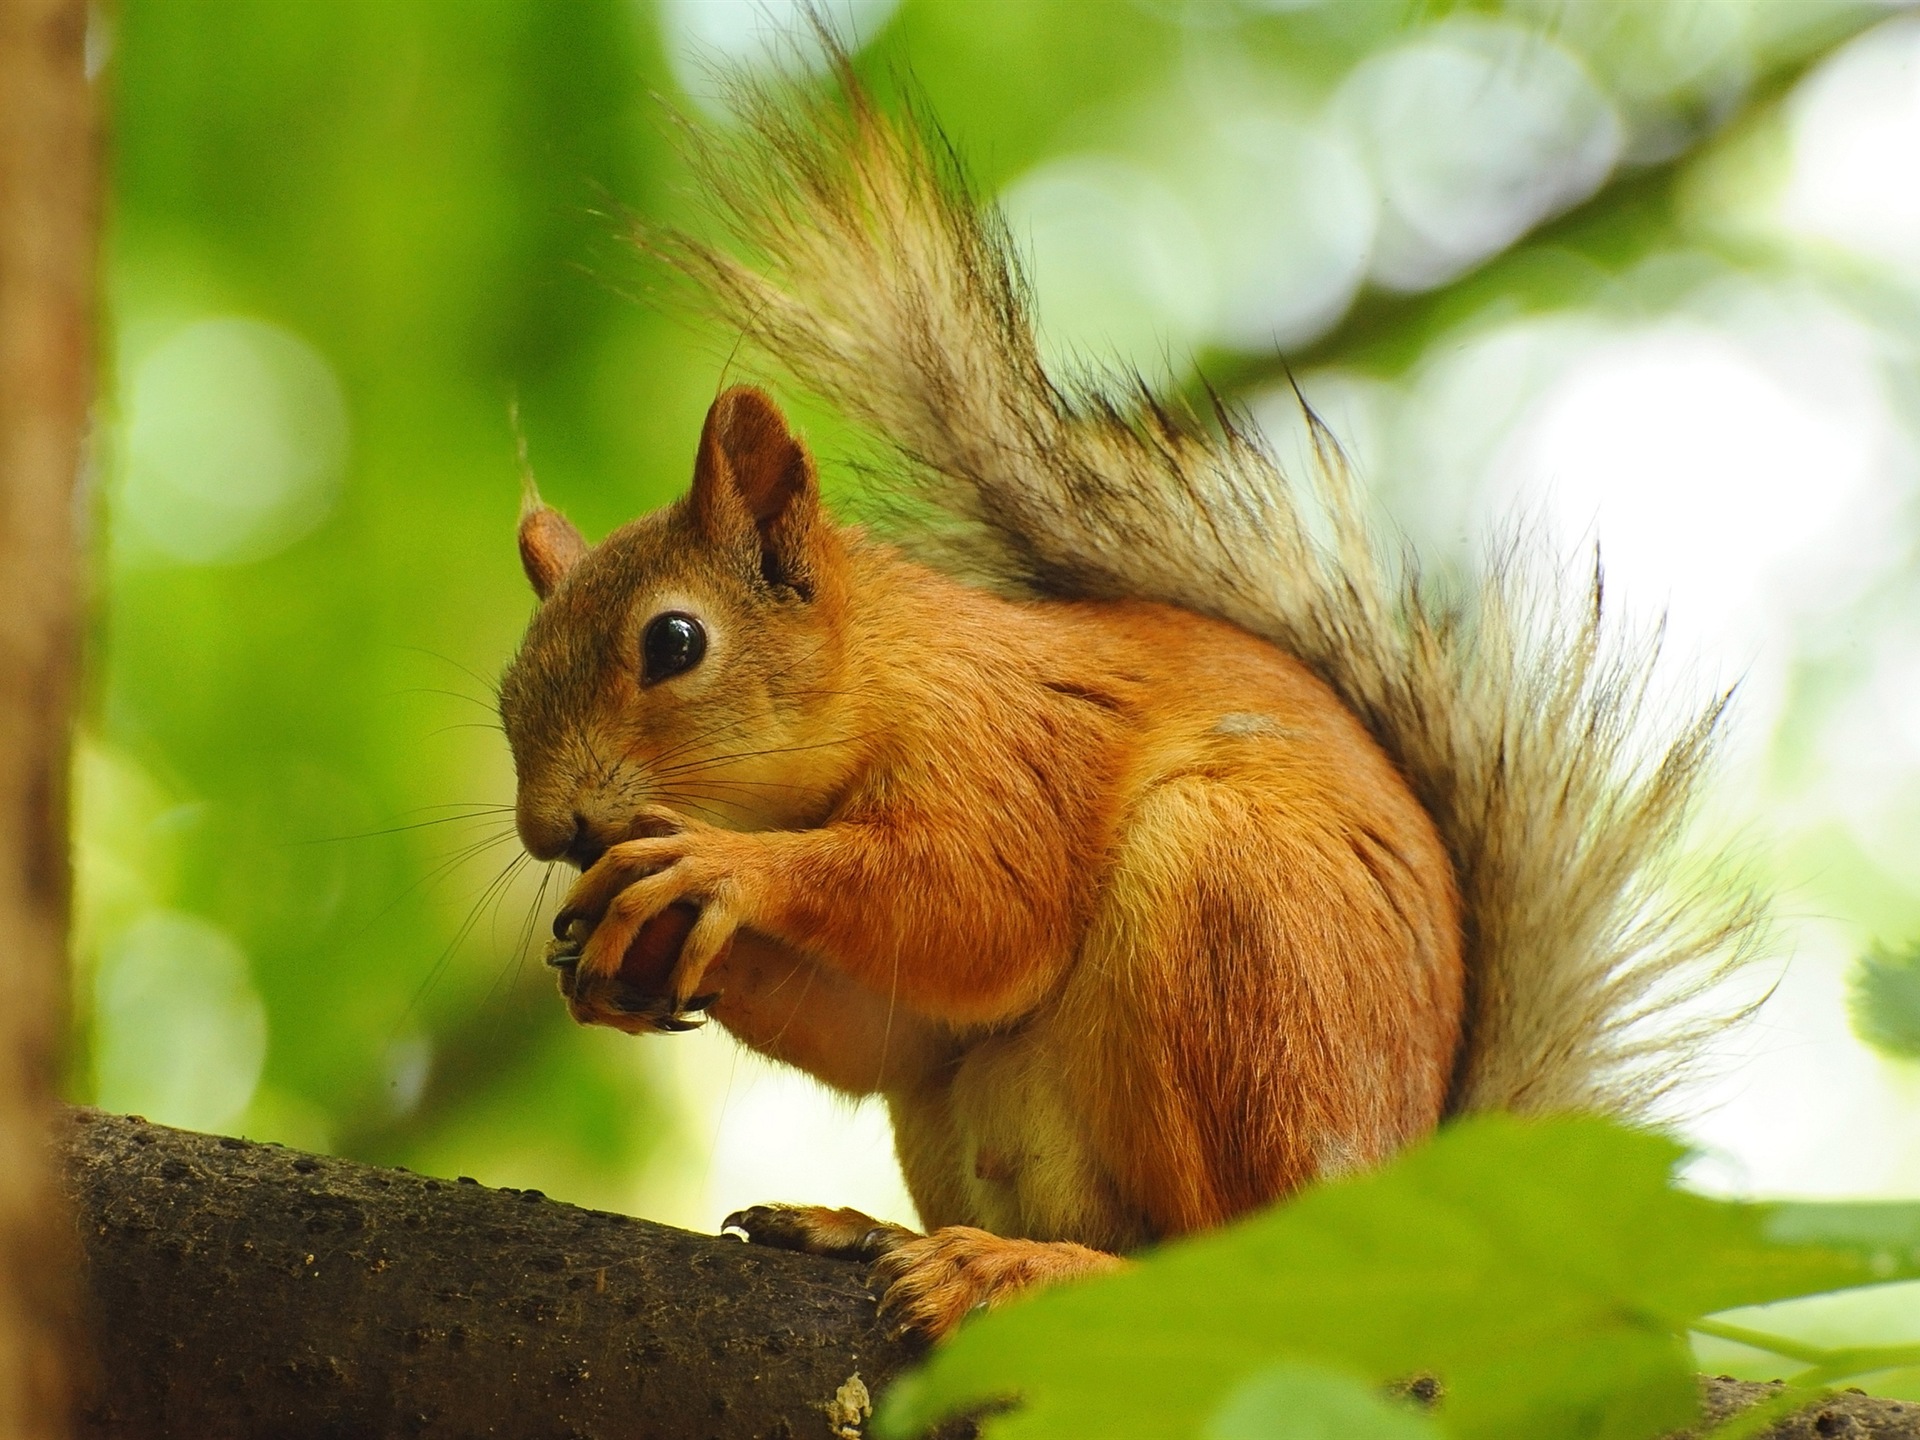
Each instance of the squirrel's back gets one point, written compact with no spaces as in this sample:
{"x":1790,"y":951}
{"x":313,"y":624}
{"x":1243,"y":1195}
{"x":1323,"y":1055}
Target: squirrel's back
{"x":1257,"y":977}
{"x":1516,"y":714}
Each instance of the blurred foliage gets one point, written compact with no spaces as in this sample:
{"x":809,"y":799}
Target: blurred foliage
{"x":1547,"y":1273}
{"x":1885,"y":1000}
{"x":419,"y":192}
{"x":345,"y":238}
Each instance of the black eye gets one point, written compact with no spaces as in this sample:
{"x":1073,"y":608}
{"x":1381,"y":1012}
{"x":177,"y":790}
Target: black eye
{"x":672,"y":645}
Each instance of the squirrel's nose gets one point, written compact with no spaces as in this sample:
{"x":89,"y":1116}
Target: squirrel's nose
{"x":585,"y":847}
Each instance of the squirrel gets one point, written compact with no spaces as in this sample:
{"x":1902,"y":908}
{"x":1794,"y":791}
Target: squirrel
{"x":1151,"y":838}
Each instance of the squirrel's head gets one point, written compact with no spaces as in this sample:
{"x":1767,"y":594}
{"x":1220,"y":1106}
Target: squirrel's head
{"x":692,"y":659}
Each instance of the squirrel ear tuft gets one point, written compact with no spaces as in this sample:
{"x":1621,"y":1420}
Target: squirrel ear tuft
{"x":549,"y":547}
{"x":754,"y":482}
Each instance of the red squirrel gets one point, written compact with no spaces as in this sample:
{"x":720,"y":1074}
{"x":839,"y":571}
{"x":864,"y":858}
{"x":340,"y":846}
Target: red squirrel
{"x":1158,"y":850}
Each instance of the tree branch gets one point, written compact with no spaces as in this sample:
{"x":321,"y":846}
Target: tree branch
{"x":248,"y":1290}
{"x":241,"y":1290}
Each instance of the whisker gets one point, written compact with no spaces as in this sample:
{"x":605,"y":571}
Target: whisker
{"x":450,"y":694}
{"x":430,"y":878}
{"x":594,"y":755}
{"x":402,"y":830}
{"x":517,"y":956}
{"x":799,"y":1004}
{"x":748,"y":720}
{"x":714,"y":815}
{"x":494,"y":886}
{"x":682,"y":797}
{"x":709,"y":733}
{"x":453,"y":860}
{"x":492,"y":687}
{"x":459,"y":857}
{"x":886,"y":1033}
{"x":493,"y":725}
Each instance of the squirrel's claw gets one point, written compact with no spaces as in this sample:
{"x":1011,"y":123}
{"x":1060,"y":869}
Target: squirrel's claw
{"x":629,"y":1000}
{"x":690,"y":1016}
{"x":644,"y":925}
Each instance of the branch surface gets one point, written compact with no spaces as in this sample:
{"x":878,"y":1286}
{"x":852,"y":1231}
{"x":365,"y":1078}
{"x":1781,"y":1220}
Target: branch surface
{"x":243,"y":1290}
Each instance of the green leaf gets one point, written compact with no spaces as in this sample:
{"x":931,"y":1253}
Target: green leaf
{"x":1304,"y":1402}
{"x":1547,"y":1271}
{"x":1884,"y":1236}
{"x":1885,"y":1000}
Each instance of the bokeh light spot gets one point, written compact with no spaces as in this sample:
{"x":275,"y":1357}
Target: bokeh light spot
{"x":1855,"y":179}
{"x":236,"y":442}
{"x":179,"y":1033}
{"x":1112,"y":255}
{"x":1291,"y":211}
{"x":1476,"y":132}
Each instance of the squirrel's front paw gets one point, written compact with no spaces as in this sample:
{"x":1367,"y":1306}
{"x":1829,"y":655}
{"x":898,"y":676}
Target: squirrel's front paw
{"x":634,"y":956}
{"x":635,"y":998}
{"x":845,"y":1234}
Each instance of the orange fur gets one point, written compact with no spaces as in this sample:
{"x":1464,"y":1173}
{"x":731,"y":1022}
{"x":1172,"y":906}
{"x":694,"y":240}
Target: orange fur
{"x":1124,"y":914}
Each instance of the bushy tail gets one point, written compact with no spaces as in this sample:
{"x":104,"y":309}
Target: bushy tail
{"x":855,"y":255}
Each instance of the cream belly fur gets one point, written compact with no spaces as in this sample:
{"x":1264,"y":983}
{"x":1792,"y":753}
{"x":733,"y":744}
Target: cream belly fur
{"x":1001,"y":1146}
{"x":985,"y":1132}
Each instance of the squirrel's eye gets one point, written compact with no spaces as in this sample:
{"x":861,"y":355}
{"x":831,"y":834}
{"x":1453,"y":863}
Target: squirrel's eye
{"x":673,"y":644}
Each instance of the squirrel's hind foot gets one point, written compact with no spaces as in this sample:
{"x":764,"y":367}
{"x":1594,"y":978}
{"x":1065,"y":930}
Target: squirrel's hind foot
{"x":931,"y":1283}
{"x":927,"y":1284}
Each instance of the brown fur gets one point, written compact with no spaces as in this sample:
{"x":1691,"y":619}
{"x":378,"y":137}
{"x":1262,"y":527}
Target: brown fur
{"x":1210,"y":852}
{"x":862,"y":265}
{"x":1129,"y":920}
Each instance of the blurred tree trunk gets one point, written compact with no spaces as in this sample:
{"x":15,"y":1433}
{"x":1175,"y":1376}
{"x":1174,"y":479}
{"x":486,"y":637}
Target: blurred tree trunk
{"x":47,"y":257}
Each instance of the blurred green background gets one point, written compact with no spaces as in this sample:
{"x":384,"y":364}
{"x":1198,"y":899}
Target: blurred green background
{"x":1628,"y":267}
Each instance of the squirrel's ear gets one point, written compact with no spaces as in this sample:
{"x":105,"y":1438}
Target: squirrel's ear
{"x":549,"y":547}
{"x":754,"y":483}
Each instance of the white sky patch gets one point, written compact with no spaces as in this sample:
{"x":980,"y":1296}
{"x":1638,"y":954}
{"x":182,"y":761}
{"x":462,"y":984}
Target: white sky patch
{"x":1717,"y":492}
{"x":1462,"y":405}
{"x":1360,"y":412}
{"x":1855,"y":125}
{"x":1798,"y":1106}
{"x":1867,"y":754}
